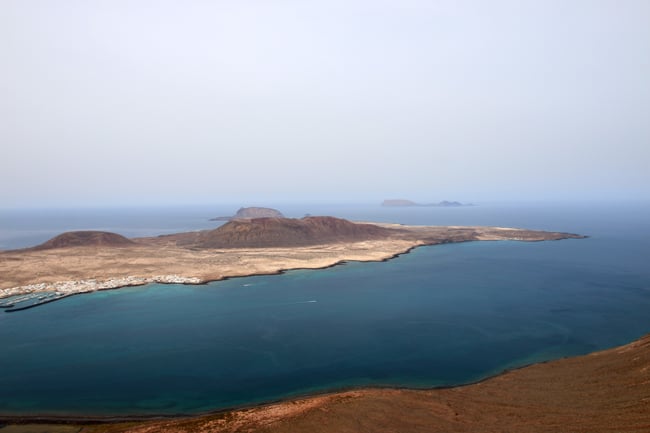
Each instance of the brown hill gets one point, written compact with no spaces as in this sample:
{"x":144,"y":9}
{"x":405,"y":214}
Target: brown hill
{"x":287,"y":232}
{"x":85,"y":239}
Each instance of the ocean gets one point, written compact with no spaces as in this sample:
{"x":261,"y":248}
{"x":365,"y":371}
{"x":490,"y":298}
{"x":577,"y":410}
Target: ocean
{"x":439,"y":316}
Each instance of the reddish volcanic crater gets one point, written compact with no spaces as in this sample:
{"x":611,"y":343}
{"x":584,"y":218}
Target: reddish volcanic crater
{"x":288,"y":232}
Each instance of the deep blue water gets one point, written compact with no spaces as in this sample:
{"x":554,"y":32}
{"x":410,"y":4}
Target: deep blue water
{"x":440,"y":315}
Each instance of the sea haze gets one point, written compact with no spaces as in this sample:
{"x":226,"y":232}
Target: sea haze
{"x":440,"y":315}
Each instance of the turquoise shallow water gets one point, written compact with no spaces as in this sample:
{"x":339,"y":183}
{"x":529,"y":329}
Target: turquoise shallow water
{"x":440,"y":315}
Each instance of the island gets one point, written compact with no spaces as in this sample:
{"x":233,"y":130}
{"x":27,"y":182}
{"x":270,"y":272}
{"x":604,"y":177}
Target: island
{"x":81,"y":262}
{"x":251,"y":212}
{"x":409,"y":203}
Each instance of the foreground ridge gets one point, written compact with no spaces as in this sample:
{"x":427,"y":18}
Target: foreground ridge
{"x":602,"y":391}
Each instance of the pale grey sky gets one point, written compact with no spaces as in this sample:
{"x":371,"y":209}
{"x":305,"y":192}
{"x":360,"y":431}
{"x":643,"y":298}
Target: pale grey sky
{"x":139,"y":102}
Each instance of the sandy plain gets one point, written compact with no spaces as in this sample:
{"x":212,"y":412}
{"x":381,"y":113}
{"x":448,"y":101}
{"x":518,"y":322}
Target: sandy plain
{"x":176,"y":259}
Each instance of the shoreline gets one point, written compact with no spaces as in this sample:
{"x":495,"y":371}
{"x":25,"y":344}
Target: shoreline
{"x":133,"y":281}
{"x":324,"y":257}
{"x":240,"y":263}
{"x":297,"y":397}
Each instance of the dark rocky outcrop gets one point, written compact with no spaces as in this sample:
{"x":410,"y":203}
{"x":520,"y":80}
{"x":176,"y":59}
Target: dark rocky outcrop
{"x":85,"y":239}
{"x":251,"y":212}
{"x":287,"y":232}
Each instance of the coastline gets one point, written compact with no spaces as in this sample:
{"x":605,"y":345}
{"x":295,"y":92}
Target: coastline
{"x":75,"y":270}
{"x":629,"y":361}
{"x":79,"y":287}
{"x":313,"y":257}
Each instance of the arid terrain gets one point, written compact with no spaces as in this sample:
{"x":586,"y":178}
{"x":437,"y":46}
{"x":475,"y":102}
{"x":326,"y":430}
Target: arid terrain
{"x":238,"y":248}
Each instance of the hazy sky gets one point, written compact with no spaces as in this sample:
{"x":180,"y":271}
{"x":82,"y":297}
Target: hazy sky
{"x":139,"y":102}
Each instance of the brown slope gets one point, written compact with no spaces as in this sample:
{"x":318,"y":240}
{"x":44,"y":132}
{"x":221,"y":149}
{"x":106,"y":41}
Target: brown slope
{"x":288,"y":232}
{"x":85,"y":239}
{"x":607,"y":391}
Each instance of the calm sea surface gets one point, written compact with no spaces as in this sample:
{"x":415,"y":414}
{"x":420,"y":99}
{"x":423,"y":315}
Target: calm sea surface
{"x":440,"y":315}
